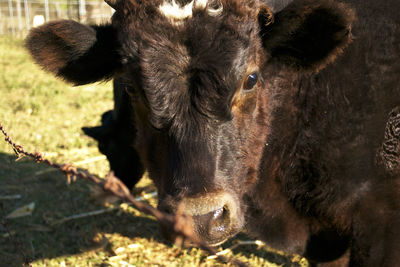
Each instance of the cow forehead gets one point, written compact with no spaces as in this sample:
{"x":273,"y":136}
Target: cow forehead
{"x":162,"y":19}
{"x":178,"y":12}
{"x":197,"y":74}
{"x":192,"y":68}
{"x":204,"y":42}
{"x":176,"y":28}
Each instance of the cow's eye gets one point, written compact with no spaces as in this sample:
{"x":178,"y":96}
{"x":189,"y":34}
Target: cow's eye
{"x":250,"y":81}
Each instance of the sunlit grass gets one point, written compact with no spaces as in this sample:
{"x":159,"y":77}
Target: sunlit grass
{"x":43,"y":112}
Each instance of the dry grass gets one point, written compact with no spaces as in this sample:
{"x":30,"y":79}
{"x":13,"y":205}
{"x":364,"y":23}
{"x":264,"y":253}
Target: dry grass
{"x":46,"y":114}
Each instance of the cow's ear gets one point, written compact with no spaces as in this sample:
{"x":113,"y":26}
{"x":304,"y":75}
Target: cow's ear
{"x":307,"y":34}
{"x":77,"y":53}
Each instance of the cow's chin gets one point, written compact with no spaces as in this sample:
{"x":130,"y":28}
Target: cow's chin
{"x":216,"y":241}
{"x":211,"y":237}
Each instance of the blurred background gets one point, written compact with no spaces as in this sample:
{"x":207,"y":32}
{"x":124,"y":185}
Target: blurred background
{"x":18,"y":16}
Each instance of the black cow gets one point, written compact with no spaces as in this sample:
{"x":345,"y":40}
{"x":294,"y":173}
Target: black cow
{"x":285,"y":124}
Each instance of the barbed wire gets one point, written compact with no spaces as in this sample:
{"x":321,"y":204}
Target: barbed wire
{"x":178,"y":224}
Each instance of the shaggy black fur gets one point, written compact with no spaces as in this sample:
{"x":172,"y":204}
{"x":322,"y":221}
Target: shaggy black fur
{"x":306,"y":155}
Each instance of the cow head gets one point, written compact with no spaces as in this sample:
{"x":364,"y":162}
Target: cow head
{"x":202,"y":77}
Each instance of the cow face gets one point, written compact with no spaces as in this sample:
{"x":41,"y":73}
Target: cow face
{"x":202,"y":80}
{"x":197,"y":84}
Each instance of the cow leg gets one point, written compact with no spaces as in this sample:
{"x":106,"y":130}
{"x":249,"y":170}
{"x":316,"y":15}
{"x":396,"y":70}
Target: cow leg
{"x":341,"y":262}
{"x":379,"y":247}
{"x":327,"y":248}
{"x":376,"y":228}
{"x":116,"y":138}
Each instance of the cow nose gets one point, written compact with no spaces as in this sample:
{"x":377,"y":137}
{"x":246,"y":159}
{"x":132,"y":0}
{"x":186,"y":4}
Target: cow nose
{"x":215,"y":217}
{"x":213,"y":225}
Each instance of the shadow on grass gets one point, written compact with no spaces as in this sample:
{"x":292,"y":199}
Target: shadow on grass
{"x":251,"y":251}
{"x":27,"y":182}
{"x":34,"y":237}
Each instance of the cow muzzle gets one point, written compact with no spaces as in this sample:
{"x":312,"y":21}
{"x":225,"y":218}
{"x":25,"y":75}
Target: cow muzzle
{"x":215,"y":217}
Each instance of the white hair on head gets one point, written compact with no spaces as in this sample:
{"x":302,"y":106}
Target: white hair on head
{"x":176,"y":13}
{"x":173,"y":11}
{"x":201,"y":3}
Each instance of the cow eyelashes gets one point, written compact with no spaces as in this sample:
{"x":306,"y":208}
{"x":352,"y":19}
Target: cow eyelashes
{"x":251,"y":81}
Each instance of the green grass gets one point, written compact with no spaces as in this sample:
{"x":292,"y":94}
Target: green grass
{"x":45,"y":114}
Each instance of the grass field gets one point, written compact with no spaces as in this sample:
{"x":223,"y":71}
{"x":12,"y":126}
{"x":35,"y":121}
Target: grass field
{"x":45,"y":114}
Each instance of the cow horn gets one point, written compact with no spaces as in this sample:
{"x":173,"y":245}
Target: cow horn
{"x":112,"y":3}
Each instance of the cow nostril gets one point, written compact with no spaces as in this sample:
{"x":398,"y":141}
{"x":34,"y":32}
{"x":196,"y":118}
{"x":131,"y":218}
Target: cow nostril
{"x":215,"y":217}
{"x":219,"y":222}
{"x":215,"y":225}
{"x":221,"y":217}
